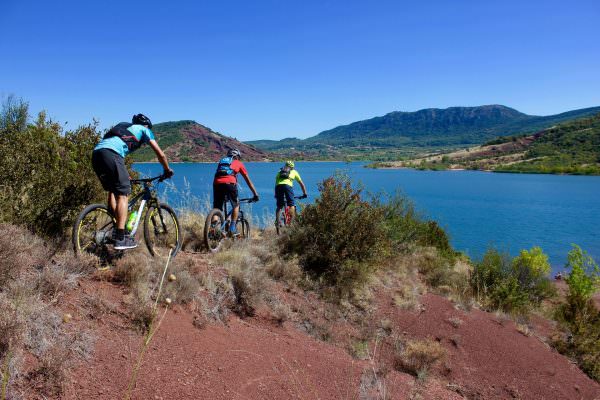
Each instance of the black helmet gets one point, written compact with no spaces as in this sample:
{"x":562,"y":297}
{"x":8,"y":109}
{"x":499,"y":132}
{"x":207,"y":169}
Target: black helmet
{"x":141,"y":119}
{"x":234,"y":153}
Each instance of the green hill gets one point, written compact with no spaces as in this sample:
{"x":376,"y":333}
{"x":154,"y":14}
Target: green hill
{"x":569,"y":148}
{"x":572,"y":147}
{"x":425,"y":129}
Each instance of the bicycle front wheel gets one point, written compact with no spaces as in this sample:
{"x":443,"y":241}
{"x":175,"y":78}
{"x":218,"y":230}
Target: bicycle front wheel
{"x":213,"y":229}
{"x":162,"y":231}
{"x":93,"y":231}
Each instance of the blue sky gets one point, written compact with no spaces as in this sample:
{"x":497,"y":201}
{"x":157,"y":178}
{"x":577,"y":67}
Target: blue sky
{"x":273,"y":69}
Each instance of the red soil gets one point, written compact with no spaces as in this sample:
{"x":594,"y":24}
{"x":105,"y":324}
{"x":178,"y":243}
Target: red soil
{"x":490,"y":359}
{"x":254,"y":358}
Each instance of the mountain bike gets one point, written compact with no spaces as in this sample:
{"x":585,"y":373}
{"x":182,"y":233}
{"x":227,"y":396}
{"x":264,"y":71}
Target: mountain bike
{"x":285,"y":217}
{"x":216,"y":227}
{"x":93,"y":229}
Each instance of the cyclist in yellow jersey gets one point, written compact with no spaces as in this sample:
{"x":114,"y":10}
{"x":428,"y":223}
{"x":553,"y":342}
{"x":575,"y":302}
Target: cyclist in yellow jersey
{"x":284,"y":188}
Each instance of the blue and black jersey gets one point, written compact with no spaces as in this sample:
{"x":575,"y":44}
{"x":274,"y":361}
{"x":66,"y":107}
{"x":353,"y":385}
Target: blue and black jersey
{"x":118,"y":145}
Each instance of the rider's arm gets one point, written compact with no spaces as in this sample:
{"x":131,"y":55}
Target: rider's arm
{"x":303,"y":187}
{"x":250,"y":185}
{"x":161,"y":157}
{"x":299,"y":180}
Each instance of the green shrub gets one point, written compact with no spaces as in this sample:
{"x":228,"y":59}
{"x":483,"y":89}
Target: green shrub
{"x":578,"y":316}
{"x":584,"y":278}
{"x":340,"y":237}
{"x":405,"y":226}
{"x":47,"y":174}
{"x":512,"y":286}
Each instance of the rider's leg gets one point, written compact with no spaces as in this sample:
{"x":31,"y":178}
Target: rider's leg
{"x":235,"y":207}
{"x":289,"y":198}
{"x":234,"y":216}
{"x":121,"y":214}
{"x":280,"y":197}
{"x":112,"y":203}
{"x":218,"y":199}
{"x":122,"y":241}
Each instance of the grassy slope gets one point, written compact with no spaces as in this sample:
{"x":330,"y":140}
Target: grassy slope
{"x":568,"y":148}
{"x":571,"y":148}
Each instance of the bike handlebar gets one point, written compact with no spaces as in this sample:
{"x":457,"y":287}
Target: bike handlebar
{"x":248,"y":200}
{"x":160,"y":178}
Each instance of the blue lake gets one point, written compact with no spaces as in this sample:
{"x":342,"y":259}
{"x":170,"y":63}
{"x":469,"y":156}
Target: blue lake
{"x":478,"y":209}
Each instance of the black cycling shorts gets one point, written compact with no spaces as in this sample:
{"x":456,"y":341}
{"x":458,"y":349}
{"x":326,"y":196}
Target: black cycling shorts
{"x":225,"y":191}
{"x":110,"y":169}
{"x":284,"y":195}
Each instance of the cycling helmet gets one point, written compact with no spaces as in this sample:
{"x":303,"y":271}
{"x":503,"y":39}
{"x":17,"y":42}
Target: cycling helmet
{"x":289,"y":163}
{"x":141,"y":119}
{"x":234,"y":153}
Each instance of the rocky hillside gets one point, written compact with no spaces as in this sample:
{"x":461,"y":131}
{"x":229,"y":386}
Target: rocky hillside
{"x":191,"y":141}
{"x":428,"y":128}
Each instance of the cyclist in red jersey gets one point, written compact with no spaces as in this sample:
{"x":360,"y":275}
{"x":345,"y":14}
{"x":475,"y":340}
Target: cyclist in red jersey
{"x":225,"y":184}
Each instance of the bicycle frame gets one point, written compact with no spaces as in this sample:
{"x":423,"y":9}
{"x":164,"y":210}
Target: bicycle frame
{"x":228,"y":213}
{"x":147,"y":196}
{"x":286,"y":211}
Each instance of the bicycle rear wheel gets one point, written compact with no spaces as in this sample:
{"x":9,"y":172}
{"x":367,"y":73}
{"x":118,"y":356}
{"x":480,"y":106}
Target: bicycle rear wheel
{"x":280,"y":222}
{"x":243,"y":228}
{"x":284,"y":220}
{"x":93,"y":230}
{"x":213,"y":230}
{"x":162,"y":231}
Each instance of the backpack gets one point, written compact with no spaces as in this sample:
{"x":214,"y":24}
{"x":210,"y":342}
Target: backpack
{"x":224,"y":167}
{"x":284,"y":172}
{"x":120,"y":131}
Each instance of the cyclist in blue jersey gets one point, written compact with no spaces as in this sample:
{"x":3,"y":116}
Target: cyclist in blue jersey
{"x":108,"y":161}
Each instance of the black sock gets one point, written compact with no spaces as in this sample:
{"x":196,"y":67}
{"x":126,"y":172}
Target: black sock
{"x":120,"y":234}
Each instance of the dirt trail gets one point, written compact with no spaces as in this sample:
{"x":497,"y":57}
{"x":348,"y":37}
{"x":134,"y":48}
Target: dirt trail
{"x":254,"y":358}
{"x":248,"y":359}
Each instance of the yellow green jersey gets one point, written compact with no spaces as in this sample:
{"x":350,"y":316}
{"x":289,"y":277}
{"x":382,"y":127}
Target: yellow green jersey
{"x":294,"y":176}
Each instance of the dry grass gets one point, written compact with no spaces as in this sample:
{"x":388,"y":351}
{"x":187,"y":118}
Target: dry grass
{"x":455,"y":322}
{"x":281,"y":312}
{"x":19,"y":250}
{"x":248,"y":289}
{"x":186,"y":286}
{"x":215,"y":299}
{"x":417,"y":357}
{"x":193,"y":229}
{"x":31,"y":281}
{"x":133,"y":268}
{"x":249,"y":282}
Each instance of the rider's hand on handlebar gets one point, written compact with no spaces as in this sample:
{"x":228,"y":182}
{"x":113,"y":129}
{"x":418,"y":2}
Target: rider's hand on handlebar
{"x":255,"y":198}
{"x":167,"y":173}
{"x":304,"y":196}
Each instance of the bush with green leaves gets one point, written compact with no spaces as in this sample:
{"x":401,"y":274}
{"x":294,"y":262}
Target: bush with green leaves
{"x":512,"y":285}
{"x":405,"y":226}
{"x":47,"y":177}
{"x":340,"y":237}
{"x":578,"y":316}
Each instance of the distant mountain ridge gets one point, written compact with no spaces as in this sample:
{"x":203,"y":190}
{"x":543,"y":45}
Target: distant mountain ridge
{"x":428,"y":128}
{"x":190,"y":141}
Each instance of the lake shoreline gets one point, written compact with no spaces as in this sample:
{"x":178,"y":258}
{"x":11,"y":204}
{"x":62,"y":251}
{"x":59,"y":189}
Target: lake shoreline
{"x":477,"y":170}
